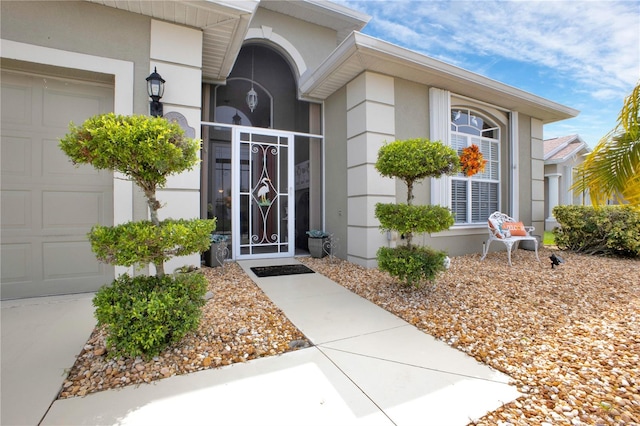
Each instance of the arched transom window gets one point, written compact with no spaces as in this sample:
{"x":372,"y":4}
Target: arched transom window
{"x":474,"y":198}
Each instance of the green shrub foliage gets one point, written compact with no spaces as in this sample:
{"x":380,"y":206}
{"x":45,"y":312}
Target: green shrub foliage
{"x":145,"y":314}
{"x":415,"y":219}
{"x":607,"y":230}
{"x":144,"y":242}
{"x":412,"y":160}
{"x":416,"y":159}
{"x":411,"y":265}
{"x":145,"y":149}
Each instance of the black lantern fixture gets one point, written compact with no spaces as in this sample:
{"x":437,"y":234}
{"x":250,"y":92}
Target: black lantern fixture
{"x":252,"y":95}
{"x":155,"y":89}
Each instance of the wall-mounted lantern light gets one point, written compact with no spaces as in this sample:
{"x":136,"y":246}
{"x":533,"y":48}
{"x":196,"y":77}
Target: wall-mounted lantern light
{"x":155,"y":89}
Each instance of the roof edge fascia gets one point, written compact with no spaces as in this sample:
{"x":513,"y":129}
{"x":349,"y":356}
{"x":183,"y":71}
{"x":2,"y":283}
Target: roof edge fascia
{"x":358,"y":42}
{"x":241,"y":30}
{"x":340,"y":54}
{"x":346,"y":13}
{"x":234,"y":7}
{"x":402,"y":53}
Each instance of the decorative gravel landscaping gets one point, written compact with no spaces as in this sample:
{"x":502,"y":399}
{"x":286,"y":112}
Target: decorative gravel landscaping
{"x":569,"y":336}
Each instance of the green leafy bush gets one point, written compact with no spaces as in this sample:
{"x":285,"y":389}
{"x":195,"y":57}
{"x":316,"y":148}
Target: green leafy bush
{"x":412,"y":160}
{"x":412,"y":265}
{"x":415,"y":219}
{"x":416,"y":159}
{"x":144,"y":242}
{"x":145,"y":314}
{"x":146,"y":149}
{"x":607,"y":230}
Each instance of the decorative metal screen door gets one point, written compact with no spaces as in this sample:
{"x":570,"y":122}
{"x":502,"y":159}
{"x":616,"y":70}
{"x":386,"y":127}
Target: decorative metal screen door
{"x":262,"y":188}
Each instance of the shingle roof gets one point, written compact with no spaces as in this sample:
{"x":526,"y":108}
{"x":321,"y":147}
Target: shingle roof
{"x":560,"y":149}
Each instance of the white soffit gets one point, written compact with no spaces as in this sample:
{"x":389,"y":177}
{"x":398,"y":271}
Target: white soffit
{"x":359,"y":53}
{"x":224,"y":25}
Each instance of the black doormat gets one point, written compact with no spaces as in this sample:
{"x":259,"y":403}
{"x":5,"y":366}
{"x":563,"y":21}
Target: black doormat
{"x":274,"y":271}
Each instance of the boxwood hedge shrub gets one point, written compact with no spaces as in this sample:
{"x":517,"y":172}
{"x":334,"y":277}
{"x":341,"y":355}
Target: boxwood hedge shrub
{"x":411,"y":265}
{"x":606,"y":230}
{"x":145,"y":314}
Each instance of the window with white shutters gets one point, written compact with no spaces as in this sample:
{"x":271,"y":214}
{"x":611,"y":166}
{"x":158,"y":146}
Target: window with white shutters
{"x":474,"y":198}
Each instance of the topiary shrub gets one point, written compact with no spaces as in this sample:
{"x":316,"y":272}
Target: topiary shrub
{"x":412,"y":160}
{"x":412,"y":265}
{"x":145,"y":314}
{"x":408,"y":219}
{"x":606,"y":230}
{"x":144,"y":242}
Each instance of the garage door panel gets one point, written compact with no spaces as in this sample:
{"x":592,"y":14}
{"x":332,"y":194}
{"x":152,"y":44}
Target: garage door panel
{"x":16,"y":213}
{"x":16,"y":156}
{"x":16,"y":104}
{"x":69,"y":259}
{"x":55,"y":164}
{"x":16,"y":263}
{"x":47,"y":204}
{"x":61,"y":108}
{"x":72,"y":210}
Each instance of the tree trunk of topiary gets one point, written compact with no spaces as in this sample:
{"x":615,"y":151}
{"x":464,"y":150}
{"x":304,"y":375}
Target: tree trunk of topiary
{"x":154,"y":205}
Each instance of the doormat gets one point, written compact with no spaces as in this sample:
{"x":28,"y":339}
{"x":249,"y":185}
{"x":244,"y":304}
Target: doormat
{"x":274,"y":271}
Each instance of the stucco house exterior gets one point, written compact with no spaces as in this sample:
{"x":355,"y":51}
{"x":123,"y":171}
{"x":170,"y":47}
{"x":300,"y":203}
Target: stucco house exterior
{"x":328,"y":96}
{"x":561,"y":158}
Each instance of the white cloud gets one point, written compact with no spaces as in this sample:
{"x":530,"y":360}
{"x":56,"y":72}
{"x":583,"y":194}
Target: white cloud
{"x":581,"y":53}
{"x":596,"y":43}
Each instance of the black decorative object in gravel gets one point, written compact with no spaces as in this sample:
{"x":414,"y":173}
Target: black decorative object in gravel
{"x":274,"y":271}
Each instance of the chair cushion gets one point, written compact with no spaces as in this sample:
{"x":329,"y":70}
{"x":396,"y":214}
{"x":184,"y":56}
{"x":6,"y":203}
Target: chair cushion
{"x":516,"y":229}
{"x":495,"y":227}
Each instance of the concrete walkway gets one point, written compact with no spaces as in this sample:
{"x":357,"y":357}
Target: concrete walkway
{"x":40,"y":340}
{"x":368,"y":367}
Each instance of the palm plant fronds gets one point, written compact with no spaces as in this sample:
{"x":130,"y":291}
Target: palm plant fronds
{"x":612,"y":169}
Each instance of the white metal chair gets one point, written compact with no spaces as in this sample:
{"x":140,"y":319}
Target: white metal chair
{"x":508,"y":231}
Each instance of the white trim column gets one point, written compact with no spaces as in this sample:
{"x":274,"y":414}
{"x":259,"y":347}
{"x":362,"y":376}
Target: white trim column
{"x":514,"y":177}
{"x":440,"y":130}
{"x":370,"y":122}
{"x":537,"y":175}
{"x":176,"y":51}
{"x":553,"y":180}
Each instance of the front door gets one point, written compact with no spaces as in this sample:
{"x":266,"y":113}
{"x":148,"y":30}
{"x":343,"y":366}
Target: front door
{"x":263,"y":190}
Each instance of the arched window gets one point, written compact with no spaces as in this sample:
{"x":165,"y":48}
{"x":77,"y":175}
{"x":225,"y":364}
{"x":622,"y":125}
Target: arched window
{"x":474,"y":198}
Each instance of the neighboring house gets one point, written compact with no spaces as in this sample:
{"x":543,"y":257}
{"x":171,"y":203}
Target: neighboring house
{"x":561,"y":158}
{"x":303,"y":158}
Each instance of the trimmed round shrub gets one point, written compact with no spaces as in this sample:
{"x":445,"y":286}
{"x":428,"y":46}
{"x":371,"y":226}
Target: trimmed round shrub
{"x":144,"y":242}
{"x":411,"y":265}
{"x":406,"y":218}
{"x":145,"y":314}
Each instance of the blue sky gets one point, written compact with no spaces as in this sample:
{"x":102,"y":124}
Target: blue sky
{"x":582,"y":54}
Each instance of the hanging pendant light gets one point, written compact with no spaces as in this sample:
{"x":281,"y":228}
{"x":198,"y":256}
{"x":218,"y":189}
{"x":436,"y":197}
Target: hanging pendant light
{"x":252,"y":95}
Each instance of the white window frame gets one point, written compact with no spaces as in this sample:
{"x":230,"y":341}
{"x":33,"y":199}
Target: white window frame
{"x":467,"y":128}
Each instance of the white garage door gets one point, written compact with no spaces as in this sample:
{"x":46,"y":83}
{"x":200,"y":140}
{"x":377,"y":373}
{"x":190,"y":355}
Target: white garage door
{"x":48,"y":205}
